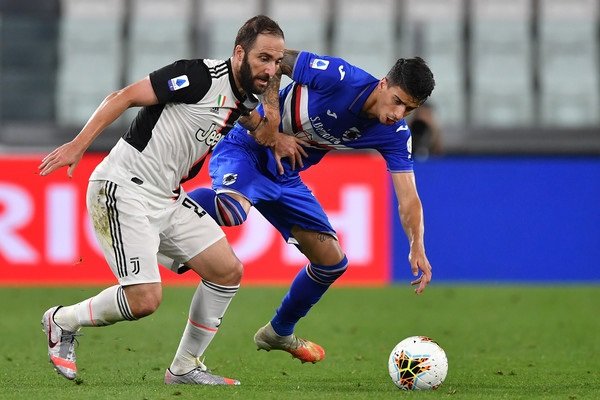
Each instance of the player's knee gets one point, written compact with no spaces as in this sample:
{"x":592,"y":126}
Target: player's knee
{"x":143,"y":299}
{"x":327,"y":274}
{"x":229,"y":211}
{"x":229,"y":273}
{"x":222,"y":207}
{"x":235,"y":273}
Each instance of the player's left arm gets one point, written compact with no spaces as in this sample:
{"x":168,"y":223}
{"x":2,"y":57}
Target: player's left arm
{"x":411,"y":217}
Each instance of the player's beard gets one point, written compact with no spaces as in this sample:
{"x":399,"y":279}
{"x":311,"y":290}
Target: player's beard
{"x":247,"y":80}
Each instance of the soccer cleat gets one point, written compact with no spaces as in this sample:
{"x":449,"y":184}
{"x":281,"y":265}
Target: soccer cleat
{"x":61,"y":345}
{"x":302,"y":349}
{"x":198,"y":376}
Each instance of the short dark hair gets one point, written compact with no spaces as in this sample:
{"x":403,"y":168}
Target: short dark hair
{"x":253,"y":27}
{"x":413,"y":76}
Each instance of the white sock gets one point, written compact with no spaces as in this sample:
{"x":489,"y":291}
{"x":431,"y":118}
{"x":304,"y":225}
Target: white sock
{"x":206,"y":311}
{"x":106,"y":308}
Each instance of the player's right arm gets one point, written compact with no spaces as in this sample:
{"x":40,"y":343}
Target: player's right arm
{"x":69,"y":154}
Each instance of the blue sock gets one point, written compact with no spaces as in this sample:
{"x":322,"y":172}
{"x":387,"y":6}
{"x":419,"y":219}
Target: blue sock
{"x":306,"y":290}
{"x":224,"y":209}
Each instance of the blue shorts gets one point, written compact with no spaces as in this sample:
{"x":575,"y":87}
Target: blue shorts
{"x":284,"y":200}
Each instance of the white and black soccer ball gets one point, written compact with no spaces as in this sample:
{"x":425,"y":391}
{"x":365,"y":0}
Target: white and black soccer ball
{"x":418,"y":363}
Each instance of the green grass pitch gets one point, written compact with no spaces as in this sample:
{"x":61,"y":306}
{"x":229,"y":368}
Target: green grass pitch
{"x":502,"y":342}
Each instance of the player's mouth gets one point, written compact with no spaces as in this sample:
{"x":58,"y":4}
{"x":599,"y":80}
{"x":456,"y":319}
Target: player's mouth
{"x":262,"y":81}
{"x":390,"y":121}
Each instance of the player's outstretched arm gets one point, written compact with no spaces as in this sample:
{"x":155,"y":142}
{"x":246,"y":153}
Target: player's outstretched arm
{"x":69,"y":154}
{"x":411,"y":216}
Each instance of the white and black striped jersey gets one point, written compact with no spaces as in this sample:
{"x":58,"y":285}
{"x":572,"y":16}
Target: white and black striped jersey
{"x":167,"y":143}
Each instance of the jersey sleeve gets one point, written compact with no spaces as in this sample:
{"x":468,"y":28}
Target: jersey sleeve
{"x":184,"y":81}
{"x":323,"y":72}
{"x":397,"y":149}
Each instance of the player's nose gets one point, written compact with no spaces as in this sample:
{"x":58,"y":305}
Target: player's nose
{"x":400,"y":112}
{"x":271,"y":69}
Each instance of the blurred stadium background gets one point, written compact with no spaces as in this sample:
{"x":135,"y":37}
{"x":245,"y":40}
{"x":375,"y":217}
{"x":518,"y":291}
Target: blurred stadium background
{"x":514,"y":197}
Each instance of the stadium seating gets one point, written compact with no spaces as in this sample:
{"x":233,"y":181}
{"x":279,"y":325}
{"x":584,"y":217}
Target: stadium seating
{"x":90,"y":50}
{"x":517,"y":67}
{"x":28,"y":62}
{"x":364,"y":34}
{"x":160,"y":33}
{"x":433,"y":30}
{"x":501,"y":64}
{"x":294,"y":17}
{"x":220,"y":22}
{"x":569,"y":63}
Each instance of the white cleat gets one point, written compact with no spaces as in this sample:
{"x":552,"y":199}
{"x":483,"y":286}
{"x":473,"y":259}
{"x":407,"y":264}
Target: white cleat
{"x":198,"y":376}
{"x":61,"y":345}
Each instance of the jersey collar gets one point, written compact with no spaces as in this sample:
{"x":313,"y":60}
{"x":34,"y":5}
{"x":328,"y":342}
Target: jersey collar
{"x":358,"y":103}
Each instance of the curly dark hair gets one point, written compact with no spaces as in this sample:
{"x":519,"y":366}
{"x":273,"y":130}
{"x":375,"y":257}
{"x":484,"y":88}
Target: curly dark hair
{"x":247,"y":34}
{"x":413,"y":76}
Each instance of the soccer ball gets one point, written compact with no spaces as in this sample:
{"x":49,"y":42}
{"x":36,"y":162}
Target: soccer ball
{"x":418,"y":363}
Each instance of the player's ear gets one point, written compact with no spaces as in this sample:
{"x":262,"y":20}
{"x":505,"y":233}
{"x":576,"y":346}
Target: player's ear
{"x":238,"y":53}
{"x":383,"y":83}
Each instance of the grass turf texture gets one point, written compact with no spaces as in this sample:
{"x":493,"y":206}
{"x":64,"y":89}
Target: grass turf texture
{"x":512,"y":342}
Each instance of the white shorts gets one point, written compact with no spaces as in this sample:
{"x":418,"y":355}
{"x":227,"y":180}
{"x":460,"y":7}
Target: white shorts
{"x":131,"y":233}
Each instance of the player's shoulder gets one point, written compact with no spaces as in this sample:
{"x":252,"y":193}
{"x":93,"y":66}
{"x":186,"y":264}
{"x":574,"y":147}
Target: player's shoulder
{"x":214,"y":63}
{"x":334,"y":69}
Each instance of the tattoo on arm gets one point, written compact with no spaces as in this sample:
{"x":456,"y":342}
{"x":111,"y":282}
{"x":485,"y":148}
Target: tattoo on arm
{"x":271,"y":96}
{"x":288,"y":62}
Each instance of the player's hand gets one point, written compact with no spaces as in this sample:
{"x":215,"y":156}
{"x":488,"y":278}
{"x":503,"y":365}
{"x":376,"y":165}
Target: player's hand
{"x":69,"y":154}
{"x":419,"y":262}
{"x":290,"y":147}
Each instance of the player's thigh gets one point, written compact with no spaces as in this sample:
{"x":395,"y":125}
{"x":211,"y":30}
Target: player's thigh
{"x":319,"y":247}
{"x":192,"y":238}
{"x":127,"y":238}
{"x":218,"y":264}
{"x":233,"y":169}
{"x":301,"y":220}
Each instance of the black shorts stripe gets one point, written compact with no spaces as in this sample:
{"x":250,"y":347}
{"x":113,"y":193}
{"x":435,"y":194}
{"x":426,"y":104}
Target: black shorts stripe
{"x":115,"y":228}
{"x":123,"y":305}
{"x":219,"y":288}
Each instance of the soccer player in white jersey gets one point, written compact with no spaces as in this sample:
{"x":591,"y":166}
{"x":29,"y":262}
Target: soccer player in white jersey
{"x":138,"y":208}
{"x":334,"y":106}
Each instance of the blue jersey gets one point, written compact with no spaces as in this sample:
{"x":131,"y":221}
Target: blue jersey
{"x":323,"y":106}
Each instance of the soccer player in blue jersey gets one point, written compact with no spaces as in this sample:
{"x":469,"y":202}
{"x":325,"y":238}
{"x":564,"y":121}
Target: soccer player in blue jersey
{"x":331,"y":105}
